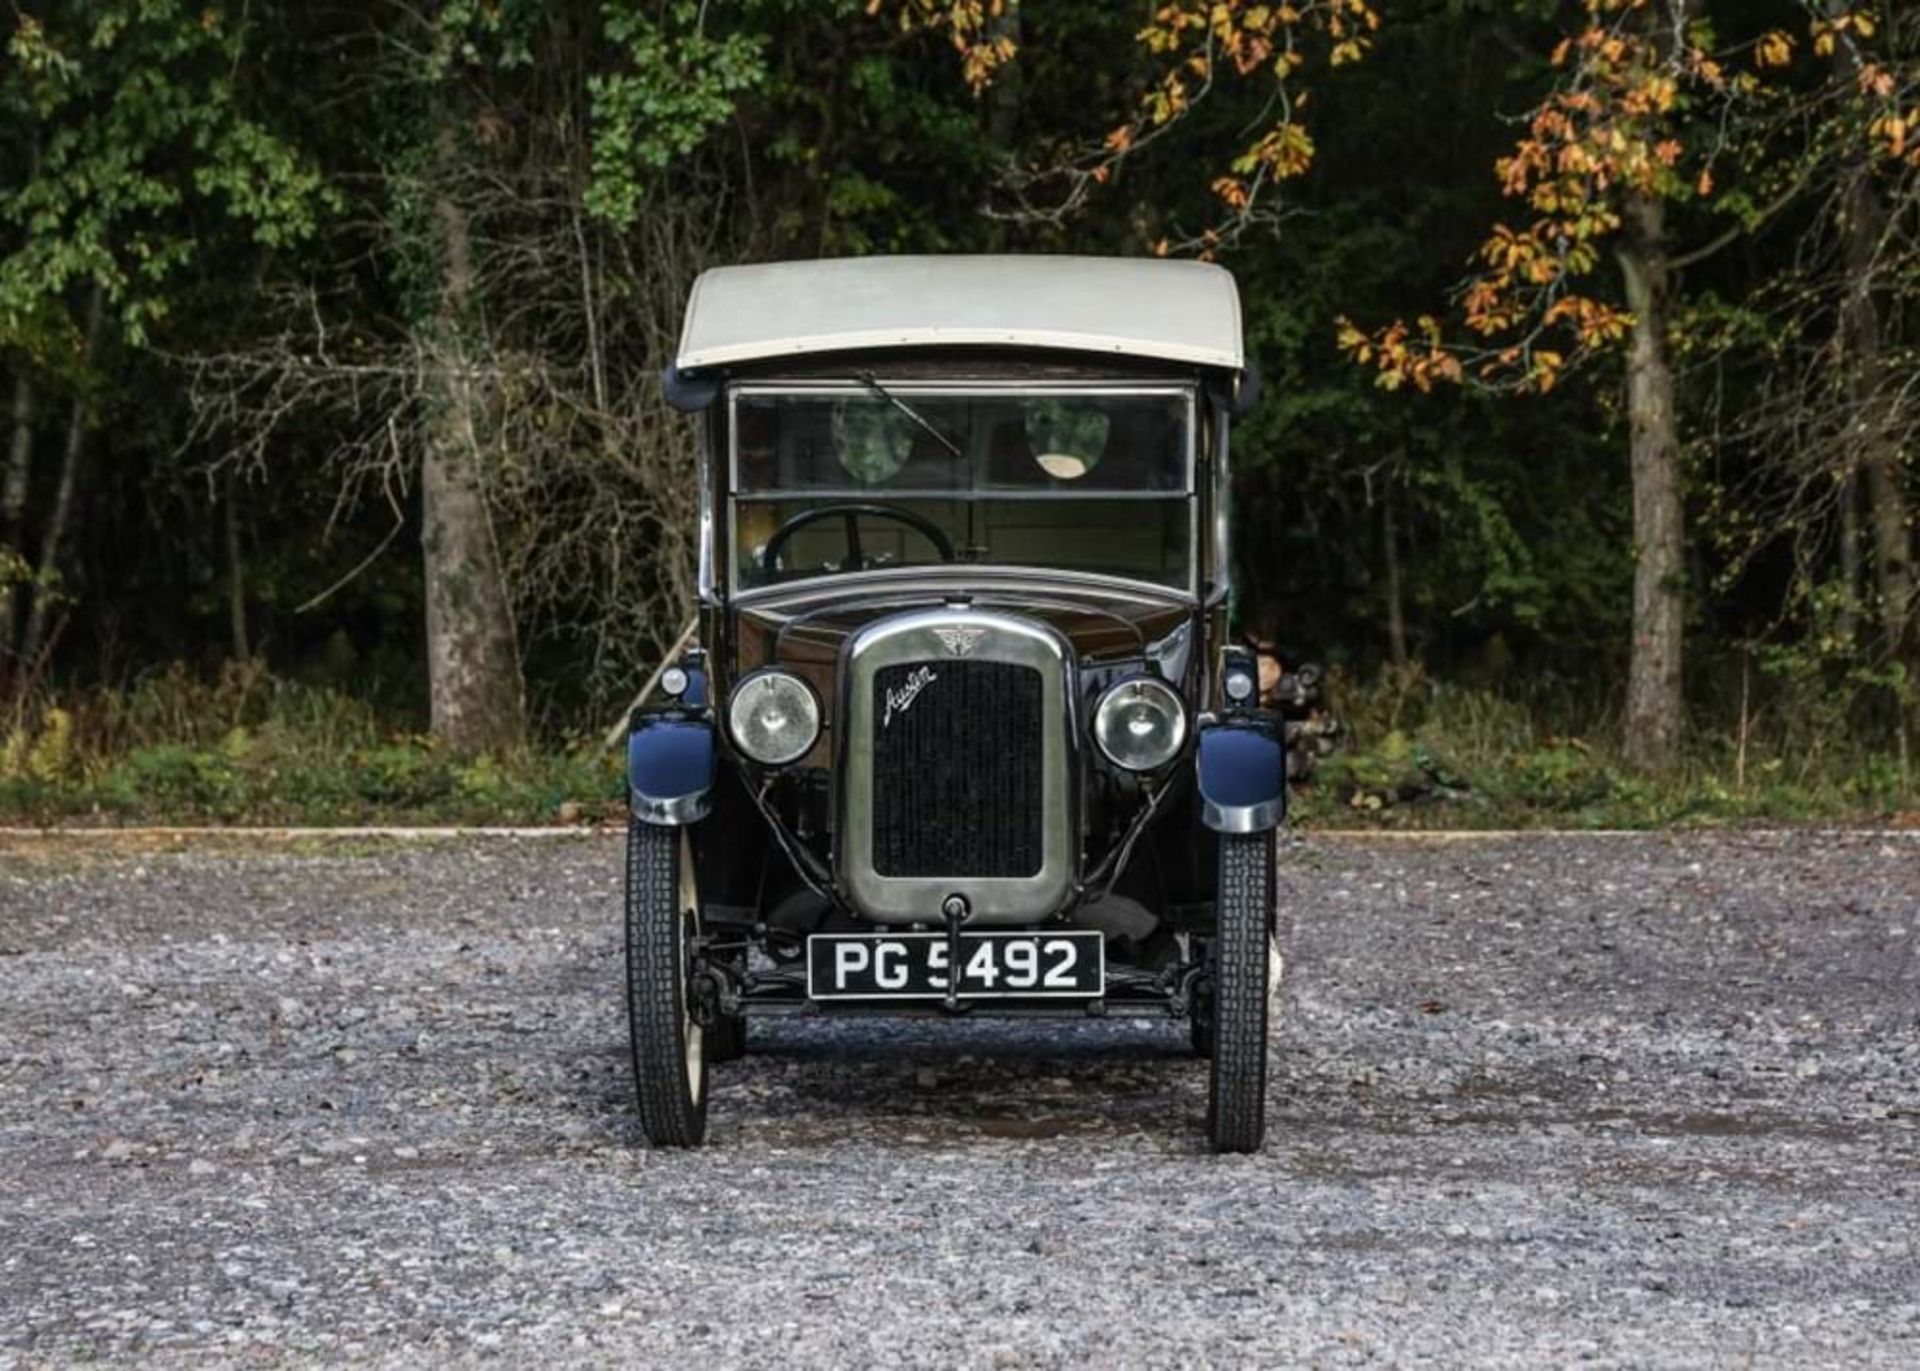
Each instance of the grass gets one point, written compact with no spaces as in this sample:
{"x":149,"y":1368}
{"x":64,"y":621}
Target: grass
{"x":248,"y":748}
{"x":1416,"y":753}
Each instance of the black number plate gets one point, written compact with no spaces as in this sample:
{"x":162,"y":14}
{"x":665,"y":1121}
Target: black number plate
{"x":993,"y":966}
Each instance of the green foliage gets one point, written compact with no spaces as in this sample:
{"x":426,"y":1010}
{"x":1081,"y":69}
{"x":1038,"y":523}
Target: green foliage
{"x":1422,"y":754}
{"x":249,"y":748}
{"x":676,"y":82}
{"x":246,"y":747}
{"x":201,"y":163}
{"x":140,"y":139}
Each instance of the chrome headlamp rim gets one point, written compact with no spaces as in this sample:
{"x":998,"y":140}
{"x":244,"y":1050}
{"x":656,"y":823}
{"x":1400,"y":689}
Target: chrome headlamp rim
{"x":1133,"y":688}
{"x":740,"y":698}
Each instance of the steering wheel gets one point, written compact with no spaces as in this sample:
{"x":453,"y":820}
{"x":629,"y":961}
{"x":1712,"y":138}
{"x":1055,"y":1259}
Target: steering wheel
{"x":850,"y":515}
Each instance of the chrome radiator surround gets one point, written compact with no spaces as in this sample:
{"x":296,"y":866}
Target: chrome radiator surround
{"x":933,"y":637}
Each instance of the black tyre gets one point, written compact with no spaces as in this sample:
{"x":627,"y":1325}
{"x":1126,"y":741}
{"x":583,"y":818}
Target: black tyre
{"x":1237,"y":1074}
{"x":669,"y":1047}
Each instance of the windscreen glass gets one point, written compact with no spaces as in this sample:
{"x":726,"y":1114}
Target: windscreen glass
{"x":895,"y":475}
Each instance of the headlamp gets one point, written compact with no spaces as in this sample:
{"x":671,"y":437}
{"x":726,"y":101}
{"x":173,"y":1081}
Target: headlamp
{"x":774,"y":717}
{"x":1140,"y":724}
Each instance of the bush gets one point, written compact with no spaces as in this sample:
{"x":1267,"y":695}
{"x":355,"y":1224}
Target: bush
{"x":1560,"y":776}
{"x":246,"y":746}
{"x":1424,"y":753}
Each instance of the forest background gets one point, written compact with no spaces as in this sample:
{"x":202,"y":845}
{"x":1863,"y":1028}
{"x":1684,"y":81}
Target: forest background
{"x":336,"y":484}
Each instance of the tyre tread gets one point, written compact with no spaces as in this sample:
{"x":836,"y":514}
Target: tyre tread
{"x":1237,"y":1074}
{"x":669,"y":1114}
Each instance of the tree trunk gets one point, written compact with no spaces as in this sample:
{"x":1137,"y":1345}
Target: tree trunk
{"x":53,"y":542}
{"x":1656,"y":707}
{"x":472,"y":662}
{"x":236,"y":573}
{"x":1850,"y":553}
{"x":13,"y":515}
{"x":1396,"y":609}
{"x":1873,"y":438}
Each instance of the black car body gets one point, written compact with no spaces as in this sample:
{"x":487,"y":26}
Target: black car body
{"x":962,"y":732}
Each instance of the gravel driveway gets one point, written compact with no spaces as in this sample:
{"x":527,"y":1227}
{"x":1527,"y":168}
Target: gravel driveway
{"x":1646,"y":1099}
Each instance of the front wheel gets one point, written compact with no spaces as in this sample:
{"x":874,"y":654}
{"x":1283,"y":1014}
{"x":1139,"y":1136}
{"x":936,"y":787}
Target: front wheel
{"x":669,"y":1045}
{"x":1236,"y":1029}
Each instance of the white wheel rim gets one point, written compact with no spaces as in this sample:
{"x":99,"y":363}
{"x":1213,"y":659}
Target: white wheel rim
{"x":692,"y":1036}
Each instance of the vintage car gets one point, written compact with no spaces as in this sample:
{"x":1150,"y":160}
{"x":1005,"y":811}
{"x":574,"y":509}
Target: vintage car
{"x":962,"y":732}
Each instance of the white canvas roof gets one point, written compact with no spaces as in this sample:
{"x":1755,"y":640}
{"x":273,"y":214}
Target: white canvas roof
{"x":1176,"y":311}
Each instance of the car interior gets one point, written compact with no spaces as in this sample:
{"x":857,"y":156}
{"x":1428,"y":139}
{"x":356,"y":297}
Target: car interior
{"x":1095,"y":483}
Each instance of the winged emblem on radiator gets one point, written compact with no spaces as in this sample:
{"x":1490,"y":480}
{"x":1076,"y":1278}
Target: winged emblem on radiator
{"x":960,"y":642}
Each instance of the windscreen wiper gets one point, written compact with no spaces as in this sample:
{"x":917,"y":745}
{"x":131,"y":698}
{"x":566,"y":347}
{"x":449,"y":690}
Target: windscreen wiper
{"x":872,"y":383}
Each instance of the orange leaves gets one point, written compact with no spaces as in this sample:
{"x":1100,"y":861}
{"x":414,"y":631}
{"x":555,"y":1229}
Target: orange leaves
{"x":1891,"y":115}
{"x":1422,"y":357}
{"x":1284,"y":150}
{"x":981,"y":60}
{"x":1486,"y":304}
{"x":1194,"y":44}
{"x":1257,"y":37}
{"x":1201,"y":42}
{"x":1526,"y":317}
{"x":1250,"y":55}
{"x":1233,"y":193}
{"x":972,"y":27}
{"x":1892,"y":130}
{"x":1642,"y":105}
{"x":1594,"y":323}
{"x":1399,"y":355}
{"x":1167,"y":101}
{"x":1705,"y":69}
{"x":1828,"y":32}
{"x":1647,"y":94}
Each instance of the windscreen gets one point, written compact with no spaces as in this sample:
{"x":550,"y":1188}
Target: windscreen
{"x":881,"y":475}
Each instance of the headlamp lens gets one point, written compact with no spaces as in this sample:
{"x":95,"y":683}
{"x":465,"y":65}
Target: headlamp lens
{"x":1140,"y":724}
{"x":774,"y":717}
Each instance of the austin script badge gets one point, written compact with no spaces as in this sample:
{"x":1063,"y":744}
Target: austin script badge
{"x":900,"y":698}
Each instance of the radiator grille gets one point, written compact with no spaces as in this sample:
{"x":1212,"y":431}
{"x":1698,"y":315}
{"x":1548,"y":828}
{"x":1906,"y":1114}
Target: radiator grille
{"x":957,"y":751}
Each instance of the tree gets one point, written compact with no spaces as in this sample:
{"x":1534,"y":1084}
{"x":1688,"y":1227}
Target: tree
{"x":139,"y":149}
{"x":1876,"y":97}
{"x":1191,"y":48}
{"x":1601,"y":163}
{"x":526,"y":280}
{"x":473,"y":661}
{"x":1816,"y":353}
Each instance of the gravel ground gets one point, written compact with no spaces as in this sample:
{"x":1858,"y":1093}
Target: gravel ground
{"x":1642,"y":1099}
